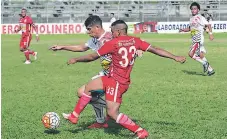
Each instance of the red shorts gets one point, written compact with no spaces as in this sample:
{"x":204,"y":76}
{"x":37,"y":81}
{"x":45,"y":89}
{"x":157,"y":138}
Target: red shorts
{"x":25,"y":41}
{"x":113,"y":89}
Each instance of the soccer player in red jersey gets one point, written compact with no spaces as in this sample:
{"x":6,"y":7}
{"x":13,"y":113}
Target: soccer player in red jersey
{"x":25,"y":25}
{"x":98,"y":37}
{"x":123,"y":49}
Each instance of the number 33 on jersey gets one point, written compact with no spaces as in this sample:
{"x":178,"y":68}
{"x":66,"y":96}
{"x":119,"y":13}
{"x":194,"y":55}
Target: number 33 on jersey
{"x":123,"y":50}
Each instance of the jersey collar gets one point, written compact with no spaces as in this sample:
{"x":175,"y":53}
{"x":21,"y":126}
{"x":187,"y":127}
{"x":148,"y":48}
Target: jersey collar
{"x":101,"y":36}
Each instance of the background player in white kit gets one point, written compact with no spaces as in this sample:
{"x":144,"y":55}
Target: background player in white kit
{"x":98,"y":37}
{"x":197,"y":49}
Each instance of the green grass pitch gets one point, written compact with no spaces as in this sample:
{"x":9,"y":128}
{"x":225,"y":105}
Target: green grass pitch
{"x":170,"y":100}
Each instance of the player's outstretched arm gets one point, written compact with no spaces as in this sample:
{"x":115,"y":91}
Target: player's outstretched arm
{"x":36,"y":31}
{"x":166,"y":54}
{"x":211,"y":37}
{"x":86,"y":58}
{"x":17,"y":30}
{"x":73,"y":48}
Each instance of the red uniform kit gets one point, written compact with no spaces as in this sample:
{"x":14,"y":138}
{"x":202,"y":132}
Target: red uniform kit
{"x":123,"y":50}
{"x":26,"y":25}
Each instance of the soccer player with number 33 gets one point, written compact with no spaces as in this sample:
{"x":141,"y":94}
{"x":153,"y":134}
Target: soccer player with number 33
{"x":123,"y":49}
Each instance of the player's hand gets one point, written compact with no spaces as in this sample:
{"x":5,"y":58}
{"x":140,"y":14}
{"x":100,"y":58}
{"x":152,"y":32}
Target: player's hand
{"x":139,"y":53}
{"x":180,"y":59}
{"x":37,"y":38}
{"x":181,"y":30}
{"x":72,"y":61}
{"x":55,"y":48}
{"x":15,"y":31}
{"x":211,"y":37}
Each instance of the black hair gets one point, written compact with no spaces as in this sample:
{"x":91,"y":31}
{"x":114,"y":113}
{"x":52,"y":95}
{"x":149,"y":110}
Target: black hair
{"x":120,"y":22}
{"x":24,"y":9}
{"x":93,"y":20}
{"x":112,"y":13}
{"x":195,"y":4}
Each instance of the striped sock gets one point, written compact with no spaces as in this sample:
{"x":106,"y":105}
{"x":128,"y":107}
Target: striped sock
{"x":126,"y":122}
{"x":82,"y":103}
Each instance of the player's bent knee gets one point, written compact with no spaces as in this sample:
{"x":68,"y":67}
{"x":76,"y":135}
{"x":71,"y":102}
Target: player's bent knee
{"x":111,"y":113}
{"x":201,"y":55}
{"x":22,"y":49}
{"x":80,"y":91}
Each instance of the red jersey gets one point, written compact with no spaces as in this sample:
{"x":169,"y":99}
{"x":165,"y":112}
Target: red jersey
{"x":25,"y":24}
{"x":123,"y":50}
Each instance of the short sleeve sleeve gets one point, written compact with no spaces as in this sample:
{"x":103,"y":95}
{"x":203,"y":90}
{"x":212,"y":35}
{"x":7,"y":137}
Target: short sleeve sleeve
{"x":143,"y":45}
{"x":107,"y":48}
{"x":91,"y":43}
{"x":30,"y":21}
{"x":204,"y":21}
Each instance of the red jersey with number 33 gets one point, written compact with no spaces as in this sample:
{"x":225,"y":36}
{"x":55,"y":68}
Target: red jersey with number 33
{"x":123,"y":50}
{"x":25,"y":24}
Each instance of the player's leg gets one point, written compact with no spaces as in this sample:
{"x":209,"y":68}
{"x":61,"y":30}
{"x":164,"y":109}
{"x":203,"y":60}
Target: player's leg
{"x":195,"y":54}
{"x":124,"y":120}
{"x":114,"y":94}
{"x":31,"y":52}
{"x":23,"y":48}
{"x":80,"y":91}
{"x":202,"y":56}
{"x":85,"y":98}
{"x":98,"y":104}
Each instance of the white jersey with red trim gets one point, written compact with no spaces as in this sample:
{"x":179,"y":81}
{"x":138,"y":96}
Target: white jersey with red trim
{"x":197,"y":24}
{"x":96,"y":44}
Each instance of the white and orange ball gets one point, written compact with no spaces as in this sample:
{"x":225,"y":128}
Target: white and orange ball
{"x":51,"y":120}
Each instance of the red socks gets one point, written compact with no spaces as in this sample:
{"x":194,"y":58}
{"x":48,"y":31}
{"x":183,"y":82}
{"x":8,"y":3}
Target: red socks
{"x":82,"y":103}
{"x":31,"y":52}
{"x":126,"y":122}
{"x":26,"y":53}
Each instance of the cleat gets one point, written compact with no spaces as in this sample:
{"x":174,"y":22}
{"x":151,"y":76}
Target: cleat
{"x":27,"y":62}
{"x":142,"y":134}
{"x":35,"y":55}
{"x":205,"y":67}
{"x":98,"y":125}
{"x":69,"y":117}
{"x":65,"y":115}
{"x":209,"y":73}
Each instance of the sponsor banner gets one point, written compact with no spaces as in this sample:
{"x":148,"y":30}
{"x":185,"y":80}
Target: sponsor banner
{"x":78,"y":28}
{"x":74,"y":28}
{"x":48,"y":28}
{"x":173,"y":27}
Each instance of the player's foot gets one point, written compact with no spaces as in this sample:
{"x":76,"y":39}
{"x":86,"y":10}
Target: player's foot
{"x":98,"y":125}
{"x":69,"y":117}
{"x":27,"y":62}
{"x":142,"y":134}
{"x":205,"y":67}
{"x":209,"y":73}
{"x":35,"y":55}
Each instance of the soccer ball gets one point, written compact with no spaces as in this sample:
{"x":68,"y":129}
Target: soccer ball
{"x":51,"y":120}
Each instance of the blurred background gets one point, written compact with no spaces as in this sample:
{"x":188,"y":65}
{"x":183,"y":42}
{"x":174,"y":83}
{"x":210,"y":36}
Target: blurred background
{"x":76,"y":11}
